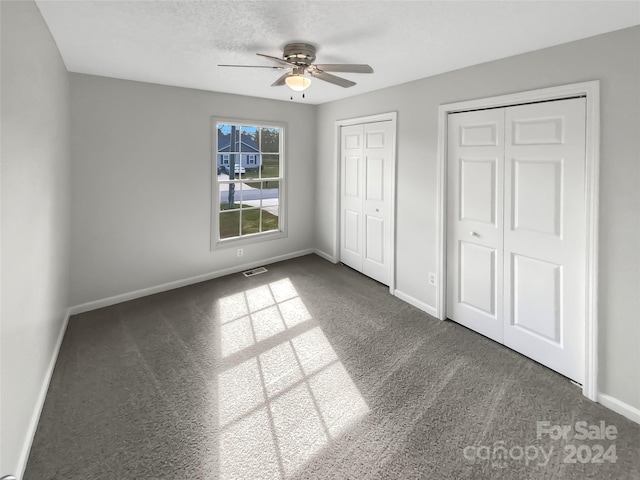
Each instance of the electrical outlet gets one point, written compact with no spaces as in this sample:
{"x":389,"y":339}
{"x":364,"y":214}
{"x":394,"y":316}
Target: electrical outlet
{"x":432,"y":278}
{"x":239,"y":252}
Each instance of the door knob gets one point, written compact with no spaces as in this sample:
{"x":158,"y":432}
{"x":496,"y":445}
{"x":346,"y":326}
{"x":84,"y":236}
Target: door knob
{"x":474,"y":234}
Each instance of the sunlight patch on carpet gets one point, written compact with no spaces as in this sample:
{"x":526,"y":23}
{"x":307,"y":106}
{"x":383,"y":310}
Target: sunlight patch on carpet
{"x":279,"y":405}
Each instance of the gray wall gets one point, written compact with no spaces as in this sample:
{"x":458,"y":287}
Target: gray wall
{"x":35,"y":219}
{"x":614,"y":60}
{"x":141,"y":183}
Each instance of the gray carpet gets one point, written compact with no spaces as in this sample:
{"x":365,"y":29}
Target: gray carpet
{"x":308,"y":371}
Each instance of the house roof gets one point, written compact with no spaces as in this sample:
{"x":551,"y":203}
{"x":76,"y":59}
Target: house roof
{"x":244,"y":144}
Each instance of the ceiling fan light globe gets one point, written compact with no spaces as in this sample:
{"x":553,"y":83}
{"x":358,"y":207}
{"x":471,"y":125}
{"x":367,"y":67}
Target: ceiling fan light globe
{"x":297,"y":83}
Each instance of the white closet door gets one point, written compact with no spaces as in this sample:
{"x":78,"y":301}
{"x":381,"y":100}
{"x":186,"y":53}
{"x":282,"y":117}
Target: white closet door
{"x":544,"y":237}
{"x":352,"y":151}
{"x":367,"y":163}
{"x":376,"y":202}
{"x":516,"y":229}
{"x":474,"y":223}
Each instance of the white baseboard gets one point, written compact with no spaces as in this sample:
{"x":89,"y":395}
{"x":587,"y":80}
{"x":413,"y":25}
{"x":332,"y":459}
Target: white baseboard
{"x":618,"y":406}
{"x":326,"y":256}
{"x":105,"y":302}
{"x":415,"y":302}
{"x":35,"y":417}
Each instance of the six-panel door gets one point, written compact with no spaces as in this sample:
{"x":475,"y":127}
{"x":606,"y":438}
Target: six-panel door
{"x":366,"y":163}
{"x":544,"y":235}
{"x":474,"y":223}
{"x":516,"y":229}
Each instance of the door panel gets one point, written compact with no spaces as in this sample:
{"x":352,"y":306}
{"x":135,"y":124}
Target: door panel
{"x":479,"y":134}
{"x":352,"y":176}
{"x":478,"y":190}
{"x":351,"y":230}
{"x":351,"y":245}
{"x":375,"y":138}
{"x":474,"y":221}
{"x":352,"y":138}
{"x":537,"y":296}
{"x":477,"y":277}
{"x":537,"y":195}
{"x":544,"y":237}
{"x":375,"y":240}
{"x":378,"y":156}
{"x":375,"y":179}
{"x":538,"y":131}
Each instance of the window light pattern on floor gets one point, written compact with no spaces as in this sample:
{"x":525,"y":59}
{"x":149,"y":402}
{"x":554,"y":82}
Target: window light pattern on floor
{"x":283,"y":392}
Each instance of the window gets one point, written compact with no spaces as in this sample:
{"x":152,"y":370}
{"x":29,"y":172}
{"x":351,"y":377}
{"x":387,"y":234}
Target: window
{"x":248,"y":202}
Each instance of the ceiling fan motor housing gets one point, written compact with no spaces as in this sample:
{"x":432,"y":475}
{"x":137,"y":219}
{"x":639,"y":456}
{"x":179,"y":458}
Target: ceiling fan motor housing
{"x":299,"y":53}
{"x":299,"y":58}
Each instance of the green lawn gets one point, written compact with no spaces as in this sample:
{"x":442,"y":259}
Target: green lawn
{"x":230,"y":221}
{"x":271,"y":169}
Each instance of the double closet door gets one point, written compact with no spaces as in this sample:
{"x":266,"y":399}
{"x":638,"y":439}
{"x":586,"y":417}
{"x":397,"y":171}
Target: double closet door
{"x":366,"y":162}
{"x":516,"y":229}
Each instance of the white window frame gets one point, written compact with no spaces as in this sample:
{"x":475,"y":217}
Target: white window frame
{"x":216,"y":241}
{"x":225,"y":159}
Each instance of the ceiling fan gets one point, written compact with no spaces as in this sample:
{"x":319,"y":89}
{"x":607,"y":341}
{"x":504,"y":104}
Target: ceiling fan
{"x":299,"y":58}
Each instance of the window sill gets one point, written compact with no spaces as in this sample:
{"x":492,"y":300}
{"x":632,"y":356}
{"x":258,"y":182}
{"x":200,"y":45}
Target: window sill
{"x":247,"y":239}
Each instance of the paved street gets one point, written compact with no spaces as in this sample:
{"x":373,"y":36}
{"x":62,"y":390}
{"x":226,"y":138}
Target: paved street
{"x":251,"y":196}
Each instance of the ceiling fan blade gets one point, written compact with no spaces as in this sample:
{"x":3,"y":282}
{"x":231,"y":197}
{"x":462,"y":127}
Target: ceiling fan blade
{"x":280,"y":81}
{"x":252,"y":66}
{"x":281,"y":60}
{"x":344,"y":67}
{"x":327,"y":77}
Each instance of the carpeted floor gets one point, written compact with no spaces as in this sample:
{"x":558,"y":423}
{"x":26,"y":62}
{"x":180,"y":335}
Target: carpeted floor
{"x":309,"y":371}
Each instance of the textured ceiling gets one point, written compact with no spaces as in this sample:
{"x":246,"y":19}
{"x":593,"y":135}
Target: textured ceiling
{"x":181,"y":42}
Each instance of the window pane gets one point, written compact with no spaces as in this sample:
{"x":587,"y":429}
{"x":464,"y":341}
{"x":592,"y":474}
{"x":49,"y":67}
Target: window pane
{"x":230,"y":166}
{"x":225,"y":134}
{"x":250,"y":221}
{"x":222,"y":169}
{"x":270,"y":166}
{"x":229,"y":224}
{"x":252,"y":166}
{"x":270,"y":205}
{"x":269,"y":220}
{"x":270,"y":140}
{"x":230,"y":196}
{"x":270,"y":195}
{"x":250,"y":139}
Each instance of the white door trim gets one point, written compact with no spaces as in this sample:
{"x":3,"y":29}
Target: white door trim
{"x":382,"y":117}
{"x":592,"y":92}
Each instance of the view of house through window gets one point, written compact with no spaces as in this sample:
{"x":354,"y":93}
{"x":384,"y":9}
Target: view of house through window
{"x":249,"y":178}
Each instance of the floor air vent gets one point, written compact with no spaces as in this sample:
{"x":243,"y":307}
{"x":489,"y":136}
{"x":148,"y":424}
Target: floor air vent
{"x":254,"y":271}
